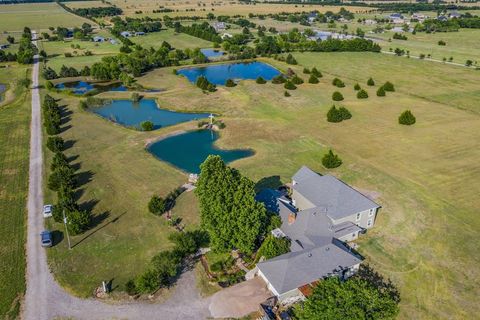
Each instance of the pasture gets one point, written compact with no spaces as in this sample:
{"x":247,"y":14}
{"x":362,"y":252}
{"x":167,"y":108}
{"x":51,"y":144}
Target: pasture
{"x":38,"y":16}
{"x":14,"y":157}
{"x":426,"y":175}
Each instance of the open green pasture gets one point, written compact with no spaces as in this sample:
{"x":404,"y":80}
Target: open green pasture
{"x":177,"y":40}
{"x":14,"y":155}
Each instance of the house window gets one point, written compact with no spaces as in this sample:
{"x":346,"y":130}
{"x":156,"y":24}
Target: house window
{"x":370,"y":213}
{"x":369,"y":223}
{"x":359,"y":215}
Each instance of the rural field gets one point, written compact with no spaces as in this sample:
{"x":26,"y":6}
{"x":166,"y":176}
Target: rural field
{"x":39,"y":16}
{"x":427,"y":184}
{"x":14,"y":147}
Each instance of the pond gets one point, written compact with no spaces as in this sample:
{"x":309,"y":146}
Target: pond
{"x":82,"y":87}
{"x":188,"y":150}
{"x":130,"y":114}
{"x":218,"y":74}
{"x":212,"y":53}
{"x":3,"y":88}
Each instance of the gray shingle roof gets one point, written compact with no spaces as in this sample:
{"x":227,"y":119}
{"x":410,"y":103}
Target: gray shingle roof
{"x":295,"y":269}
{"x":345,"y":228}
{"x":332,"y":195}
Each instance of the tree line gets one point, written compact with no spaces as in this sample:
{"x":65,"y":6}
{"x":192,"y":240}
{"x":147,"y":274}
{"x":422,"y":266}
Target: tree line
{"x":136,"y":24}
{"x":203,"y":31}
{"x":97,"y":12}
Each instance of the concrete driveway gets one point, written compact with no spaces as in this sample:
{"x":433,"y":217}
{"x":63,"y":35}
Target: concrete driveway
{"x":239,"y":300}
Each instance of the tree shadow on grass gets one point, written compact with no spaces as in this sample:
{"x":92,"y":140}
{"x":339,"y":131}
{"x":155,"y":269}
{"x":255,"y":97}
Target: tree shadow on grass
{"x":84,"y":177}
{"x":72,"y":158}
{"x":57,"y":237}
{"x":96,"y":221}
{"x":272,"y":182}
{"x":68,"y":144}
{"x":65,"y":128}
{"x":89,"y":205}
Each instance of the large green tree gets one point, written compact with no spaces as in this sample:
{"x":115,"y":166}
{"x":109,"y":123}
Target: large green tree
{"x":228,"y":210}
{"x":354,"y":299}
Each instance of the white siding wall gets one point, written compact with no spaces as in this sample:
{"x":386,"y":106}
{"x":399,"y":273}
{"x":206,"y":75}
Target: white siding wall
{"x":367,"y":218}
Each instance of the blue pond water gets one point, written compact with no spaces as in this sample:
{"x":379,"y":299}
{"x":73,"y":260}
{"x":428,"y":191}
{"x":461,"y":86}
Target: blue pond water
{"x":212,"y":53}
{"x":220,"y":73}
{"x":82,"y":87}
{"x":188,"y":150}
{"x":130,"y":114}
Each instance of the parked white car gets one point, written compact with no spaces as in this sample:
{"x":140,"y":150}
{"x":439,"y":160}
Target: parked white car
{"x":47,"y":211}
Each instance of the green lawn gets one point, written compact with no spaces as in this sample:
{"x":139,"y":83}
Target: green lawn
{"x":177,"y":40}
{"x":38,"y":16}
{"x":14,"y":156}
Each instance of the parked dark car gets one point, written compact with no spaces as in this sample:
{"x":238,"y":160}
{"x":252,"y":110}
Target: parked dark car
{"x":46,"y":238}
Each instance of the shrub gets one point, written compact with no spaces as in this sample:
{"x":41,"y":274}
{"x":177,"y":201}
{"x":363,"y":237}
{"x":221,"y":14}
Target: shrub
{"x":344,"y":113}
{"x":289,"y":85}
{"x":290,"y":59}
{"x":230,"y":83}
{"x":316,"y":73}
{"x":356,"y":87}
{"x":156,"y":205}
{"x":278,"y":79}
{"x":62,"y":176}
{"x":49,"y":85}
{"x":442,"y":43}
{"x":370,"y":82}
{"x":337,"y":96}
{"x":135,"y":97}
{"x":362,"y":94}
{"x":174,"y":71}
{"x":313,"y":79}
{"x":306,"y":71}
{"x":147,"y":125}
{"x":381,"y":92}
{"x":287,"y":94}
{"x":272,"y":247}
{"x":333,"y":115}
{"x":331,"y":160}
{"x":407,"y":118}
{"x":68,"y":55}
{"x":55,"y":144}
{"x":297,"y":80}
{"x":260,"y":80}
{"x":147,"y":282}
{"x":338,"y":83}
{"x":59,"y":160}
{"x":203,"y":83}
{"x":78,"y":221}
{"x":388,"y":86}
{"x":130,"y":288}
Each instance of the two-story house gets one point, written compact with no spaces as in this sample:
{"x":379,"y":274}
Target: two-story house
{"x":320,"y":215}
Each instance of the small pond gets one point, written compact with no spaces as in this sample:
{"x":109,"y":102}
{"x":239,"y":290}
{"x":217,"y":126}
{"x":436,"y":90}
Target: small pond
{"x":188,"y":150}
{"x":212,"y":53}
{"x":218,"y":74}
{"x":82,"y":87}
{"x":3,"y":88}
{"x":130,"y":114}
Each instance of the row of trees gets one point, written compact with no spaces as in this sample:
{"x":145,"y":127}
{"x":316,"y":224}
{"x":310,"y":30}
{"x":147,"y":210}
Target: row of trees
{"x":26,"y":49}
{"x":146,"y":24}
{"x":62,"y":177}
{"x":98,"y":12}
{"x":203,"y":31}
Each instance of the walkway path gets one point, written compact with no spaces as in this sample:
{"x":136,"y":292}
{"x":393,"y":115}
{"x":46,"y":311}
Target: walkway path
{"x":45,"y":299}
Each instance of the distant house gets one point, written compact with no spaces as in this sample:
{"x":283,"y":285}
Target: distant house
{"x":394,"y":16}
{"x":113,"y":41}
{"x":419,"y":17}
{"x":139,"y":33}
{"x":324,"y":35}
{"x":98,"y":39}
{"x":322,"y":214}
{"x":219,"y":26}
{"x":312,"y":17}
{"x":398,"y":21}
{"x":126,"y":34}
{"x":442,"y":18}
{"x":370,"y":22}
{"x":454,"y":14}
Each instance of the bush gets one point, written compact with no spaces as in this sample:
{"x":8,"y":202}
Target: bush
{"x":306,"y":71}
{"x":147,"y":125}
{"x":388,"y":86}
{"x":297,"y":80}
{"x":356,"y":87}
{"x":337,"y":96}
{"x":338,"y":83}
{"x":78,"y":221}
{"x":59,"y":160}
{"x":362,"y":94}
{"x":442,"y":43}
{"x":130,"y":288}
{"x":407,"y":118}
{"x":370,"y":82}
{"x":49,"y":85}
{"x":331,"y":160}
{"x":260,"y":80}
{"x":344,"y":113}
{"x":333,"y":115}
{"x":55,"y":144}
{"x":289,"y":85}
{"x":156,"y":205}
{"x":381,"y":92}
{"x":279,"y":79}
{"x":286,"y":94}
{"x":203,"y":83}
{"x":135,"y":97}
{"x":313,"y":79}
{"x":147,"y":282}
{"x":316,"y":73}
{"x":230,"y":83}
{"x":62,"y":176}
{"x":290,"y":59}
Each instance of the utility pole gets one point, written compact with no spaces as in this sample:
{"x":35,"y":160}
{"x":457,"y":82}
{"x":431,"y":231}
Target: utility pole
{"x":66,"y":230}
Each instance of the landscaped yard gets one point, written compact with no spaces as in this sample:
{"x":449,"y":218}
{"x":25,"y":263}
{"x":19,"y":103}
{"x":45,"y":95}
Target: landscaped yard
{"x":14,"y":155}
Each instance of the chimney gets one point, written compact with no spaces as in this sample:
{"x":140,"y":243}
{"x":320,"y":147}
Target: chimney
{"x":291,"y":217}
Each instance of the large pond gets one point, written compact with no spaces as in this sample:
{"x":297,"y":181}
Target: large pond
{"x":212,"y":53}
{"x":130,"y":114}
{"x":82,"y":87}
{"x":188,"y":150}
{"x":218,"y":74}
{"x":3,"y":88}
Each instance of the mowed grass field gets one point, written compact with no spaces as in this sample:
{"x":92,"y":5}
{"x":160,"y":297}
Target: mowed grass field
{"x":38,"y":16}
{"x":14,"y":156}
{"x":426,"y":175}
{"x":177,"y":40}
